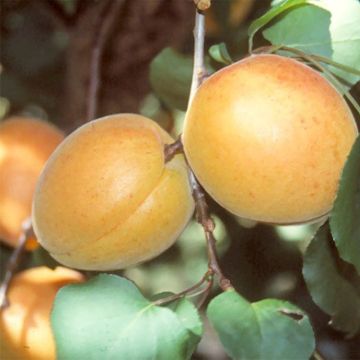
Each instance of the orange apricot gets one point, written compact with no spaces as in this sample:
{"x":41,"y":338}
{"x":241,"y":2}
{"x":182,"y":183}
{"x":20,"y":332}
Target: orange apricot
{"x":25,"y":324}
{"x":267,"y":137}
{"x":107,"y":199}
{"x":25,"y":145}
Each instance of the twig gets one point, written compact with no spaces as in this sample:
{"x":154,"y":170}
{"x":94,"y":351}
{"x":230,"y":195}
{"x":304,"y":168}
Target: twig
{"x":207,"y":276}
{"x":202,"y":213}
{"x":105,"y":21}
{"x":14,"y":261}
{"x":206,"y":293}
{"x":199,"y":70}
{"x":203,"y":217}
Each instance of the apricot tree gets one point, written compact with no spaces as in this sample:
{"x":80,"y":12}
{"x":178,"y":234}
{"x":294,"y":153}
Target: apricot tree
{"x":271,"y":137}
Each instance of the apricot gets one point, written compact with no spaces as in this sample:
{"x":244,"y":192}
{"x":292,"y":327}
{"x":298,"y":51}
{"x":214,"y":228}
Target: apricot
{"x":267,"y":137}
{"x":25,"y":145}
{"x":106,"y":198}
{"x":25,"y":325}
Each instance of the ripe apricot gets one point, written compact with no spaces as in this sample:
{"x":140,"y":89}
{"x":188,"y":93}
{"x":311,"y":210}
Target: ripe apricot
{"x":25,"y":145}
{"x":25,"y":325}
{"x":106,"y":198}
{"x":267,"y":137}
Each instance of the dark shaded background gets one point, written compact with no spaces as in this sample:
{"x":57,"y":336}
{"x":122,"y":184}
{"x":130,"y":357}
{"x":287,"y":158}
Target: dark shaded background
{"x":46,"y":47}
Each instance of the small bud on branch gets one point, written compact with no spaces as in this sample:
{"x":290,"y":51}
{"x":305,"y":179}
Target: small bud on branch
{"x":202,"y":5}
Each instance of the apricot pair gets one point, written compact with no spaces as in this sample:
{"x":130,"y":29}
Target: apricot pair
{"x":267,"y":137}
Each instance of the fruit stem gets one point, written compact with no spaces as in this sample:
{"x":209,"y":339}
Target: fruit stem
{"x":170,"y":150}
{"x":14,"y":261}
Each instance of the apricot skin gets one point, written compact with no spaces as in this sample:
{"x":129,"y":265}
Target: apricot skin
{"x":267,"y":137}
{"x":107,"y":200}
{"x":25,"y":325}
{"x":25,"y":146}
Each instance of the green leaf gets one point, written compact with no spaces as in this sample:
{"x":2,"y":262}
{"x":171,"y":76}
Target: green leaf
{"x":289,"y":30}
{"x":189,"y":317}
{"x":345,"y":216}
{"x":108,"y":318}
{"x":220,"y":53}
{"x":170,"y":78}
{"x":330,"y":29}
{"x":345,"y":35}
{"x":276,"y":10}
{"x":324,"y":275}
{"x":268,"y":329}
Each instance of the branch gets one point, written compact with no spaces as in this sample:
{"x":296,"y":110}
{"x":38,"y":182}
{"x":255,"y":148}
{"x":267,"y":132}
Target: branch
{"x":202,"y":213}
{"x":14,"y":261}
{"x":105,"y":21}
{"x":203,"y":218}
{"x":199,"y":71}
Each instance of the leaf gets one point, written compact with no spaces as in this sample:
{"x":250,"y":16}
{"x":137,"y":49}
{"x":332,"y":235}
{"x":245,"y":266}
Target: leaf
{"x":108,"y":318}
{"x":330,"y":29}
{"x":345,"y":35}
{"x":167,"y":69}
{"x":189,"y":317}
{"x":220,"y":53}
{"x":289,"y":30}
{"x":345,"y":216}
{"x":276,"y":10}
{"x":330,"y":290}
{"x":268,"y":329}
